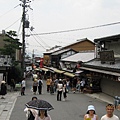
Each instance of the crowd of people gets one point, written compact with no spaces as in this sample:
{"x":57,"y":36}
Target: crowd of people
{"x":34,"y":114}
{"x":61,"y":87}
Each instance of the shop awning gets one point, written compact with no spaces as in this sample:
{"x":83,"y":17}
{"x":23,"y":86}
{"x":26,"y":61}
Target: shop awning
{"x":59,"y":71}
{"x":101,"y":71}
{"x":44,"y":69}
{"x":69,"y":74}
{"x":78,"y":72}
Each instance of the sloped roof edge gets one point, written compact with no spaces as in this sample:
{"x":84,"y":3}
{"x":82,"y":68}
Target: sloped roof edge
{"x":108,"y":38}
{"x":78,"y":41}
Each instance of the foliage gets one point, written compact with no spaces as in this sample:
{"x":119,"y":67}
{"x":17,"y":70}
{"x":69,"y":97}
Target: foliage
{"x":16,"y":73}
{"x":11,"y":45}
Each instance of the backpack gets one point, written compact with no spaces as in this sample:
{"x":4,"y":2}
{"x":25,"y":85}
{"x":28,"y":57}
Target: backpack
{"x":40,"y":83}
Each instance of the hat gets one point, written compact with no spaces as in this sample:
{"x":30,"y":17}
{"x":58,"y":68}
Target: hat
{"x":91,"y":107}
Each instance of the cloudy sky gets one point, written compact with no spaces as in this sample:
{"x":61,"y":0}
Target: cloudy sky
{"x":50,"y":16}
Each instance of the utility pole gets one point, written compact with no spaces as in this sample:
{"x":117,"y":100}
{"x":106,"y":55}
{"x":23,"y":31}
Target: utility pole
{"x":24,"y":25}
{"x":23,"y":37}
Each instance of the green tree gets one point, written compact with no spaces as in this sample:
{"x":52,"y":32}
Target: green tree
{"x":11,"y":45}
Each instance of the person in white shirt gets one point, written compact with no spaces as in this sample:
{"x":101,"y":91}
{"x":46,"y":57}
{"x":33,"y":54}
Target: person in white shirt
{"x":109,"y":115}
{"x":23,"y":85}
{"x":59,"y":90}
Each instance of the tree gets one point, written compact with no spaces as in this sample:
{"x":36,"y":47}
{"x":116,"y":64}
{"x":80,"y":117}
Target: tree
{"x":11,"y":45}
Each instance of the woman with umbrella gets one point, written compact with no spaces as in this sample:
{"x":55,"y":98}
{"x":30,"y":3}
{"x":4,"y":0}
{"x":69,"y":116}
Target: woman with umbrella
{"x":42,"y":106}
{"x":42,"y":115}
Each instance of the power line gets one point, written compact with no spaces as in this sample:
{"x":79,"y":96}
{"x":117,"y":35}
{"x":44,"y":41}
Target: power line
{"x":42,"y":40}
{"x":86,"y":28}
{"x":38,"y":42}
{"x":9,"y":10}
{"x":12,"y":24}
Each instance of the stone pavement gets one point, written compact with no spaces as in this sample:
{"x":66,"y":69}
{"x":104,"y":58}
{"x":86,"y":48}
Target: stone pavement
{"x":7,"y":104}
{"x":103,"y":97}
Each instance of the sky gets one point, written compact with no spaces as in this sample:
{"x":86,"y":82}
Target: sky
{"x":48,"y":16}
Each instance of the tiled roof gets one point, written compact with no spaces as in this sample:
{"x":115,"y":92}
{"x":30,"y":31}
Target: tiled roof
{"x":97,"y":63}
{"x":81,"y":56}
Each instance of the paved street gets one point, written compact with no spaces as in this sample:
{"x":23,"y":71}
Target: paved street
{"x":73,"y":109}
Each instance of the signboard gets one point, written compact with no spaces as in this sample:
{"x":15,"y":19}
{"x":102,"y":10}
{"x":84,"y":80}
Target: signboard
{"x":41,"y":62}
{"x":28,"y":68}
{"x":107,"y":56}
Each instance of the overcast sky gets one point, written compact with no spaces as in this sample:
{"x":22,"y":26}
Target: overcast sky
{"x":61,"y":15}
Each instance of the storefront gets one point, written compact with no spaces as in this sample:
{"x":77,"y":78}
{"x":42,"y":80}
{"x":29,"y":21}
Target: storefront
{"x":106,"y":81}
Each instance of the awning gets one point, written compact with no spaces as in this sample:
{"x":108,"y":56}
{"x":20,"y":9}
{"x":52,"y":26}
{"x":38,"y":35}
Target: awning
{"x":69,"y":74}
{"x":101,"y":71}
{"x":78,"y":72}
{"x":44,"y":69}
{"x":59,"y":71}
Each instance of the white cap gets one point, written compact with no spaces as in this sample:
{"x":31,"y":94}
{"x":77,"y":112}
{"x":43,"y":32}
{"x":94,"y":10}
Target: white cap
{"x":91,"y":107}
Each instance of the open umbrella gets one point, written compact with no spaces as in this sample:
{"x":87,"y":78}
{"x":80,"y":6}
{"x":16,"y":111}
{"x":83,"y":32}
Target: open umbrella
{"x":39,"y":105}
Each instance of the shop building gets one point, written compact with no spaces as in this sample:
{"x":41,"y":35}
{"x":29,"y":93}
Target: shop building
{"x":105,"y":68}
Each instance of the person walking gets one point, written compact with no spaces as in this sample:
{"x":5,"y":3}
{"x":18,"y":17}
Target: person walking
{"x":3,"y":90}
{"x":40,"y":83}
{"x":90,"y":114}
{"x":28,"y":111}
{"x":52,"y":87}
{"x":35,"y":85}
{"x":48,"y":82}
{"x":109,"y":113}
{"x":59,"y":90}
{"x":23,"y":85}
{"x":64,"y":91}
{"x":55,"y":83}
{"x":82,"y":85}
